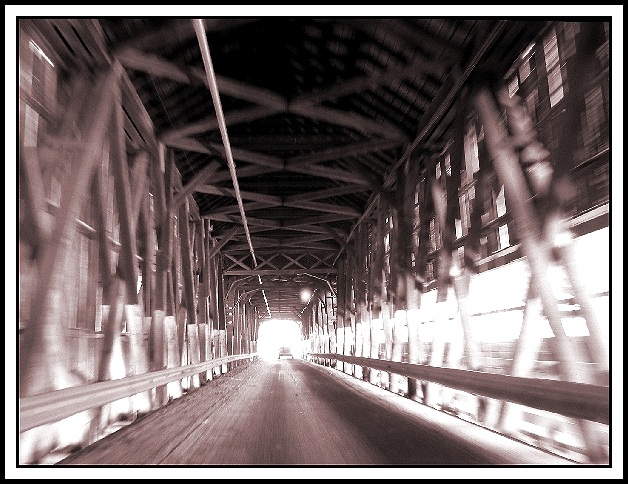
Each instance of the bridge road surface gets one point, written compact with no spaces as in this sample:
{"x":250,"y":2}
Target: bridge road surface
{"x":292,"y":412}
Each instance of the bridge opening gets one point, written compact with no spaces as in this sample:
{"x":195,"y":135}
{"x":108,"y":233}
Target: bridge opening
{"x":277,"y":333}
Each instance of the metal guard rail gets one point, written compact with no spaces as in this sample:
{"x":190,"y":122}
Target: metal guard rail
{"x":571,"y":399}
{"x":53,"y":406}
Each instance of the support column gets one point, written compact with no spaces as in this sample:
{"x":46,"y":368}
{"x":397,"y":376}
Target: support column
{"x":163,"y":226}
{"x":340,"y":311}
{"x":349,"y":336}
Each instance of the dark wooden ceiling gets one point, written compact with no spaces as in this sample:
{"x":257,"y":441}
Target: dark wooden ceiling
{"x":320,"y":113}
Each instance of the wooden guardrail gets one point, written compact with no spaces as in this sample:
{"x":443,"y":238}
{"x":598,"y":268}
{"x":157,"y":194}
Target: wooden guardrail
{"x":53,"y":406}
{"x":578,"y":400}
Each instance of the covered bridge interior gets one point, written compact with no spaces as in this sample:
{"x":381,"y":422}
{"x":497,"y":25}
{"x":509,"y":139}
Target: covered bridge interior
{"x":183,"y":180}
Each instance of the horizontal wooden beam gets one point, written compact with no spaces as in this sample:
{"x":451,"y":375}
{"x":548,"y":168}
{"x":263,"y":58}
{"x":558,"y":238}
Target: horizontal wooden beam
{"x":350,"y":120}
{"x":173,"y":31}
{"x":371,"y":82}
{"x":251,"y":221}
{"x":158,"y":66}
{"x":246,"y":195}
{"x":350,"y":150}
{"x":53,"y":406}
{"x":189,"y":188}
{"x":244,"y":115}
{"x":235,"y":208}
{"x":577,"y":400}
{"x":243,"y":172}
{"x":315,"y":220}
{"x":279,"y":272}
{"x":325,"y":207}
{"x":251,"y":157}
{"x":221,"y":243}
{"x":279,"y":246}
{"x":327,"y":172}
{"x":189,"y":144}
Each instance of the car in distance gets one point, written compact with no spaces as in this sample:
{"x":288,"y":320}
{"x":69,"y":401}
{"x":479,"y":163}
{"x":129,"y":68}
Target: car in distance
{"x":285,"y":351}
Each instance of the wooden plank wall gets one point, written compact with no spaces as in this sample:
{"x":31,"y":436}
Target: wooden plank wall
{"x":114,"y":280}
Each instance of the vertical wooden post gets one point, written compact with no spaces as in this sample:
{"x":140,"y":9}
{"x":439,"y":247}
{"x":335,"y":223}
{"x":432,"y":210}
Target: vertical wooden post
{"x":460,"y":276}
{"x":202,"y":272}
{"x":361,"y":325}
{"x":194,"y":352}
{"x":386,"y":311}
{"x":407,"y":294}
{"x":163,"y":228}
{"x":398,"y":288}
{"x":222,"y":322}
{"x":349,"y":323}
{"x":422,"y":251}
{"x":127,"y":264}
{"x":174,"y":388}
{"x":204,"y":344}
{"x":375,"y":294}
{"x":111,"y":347}
{"x":340,"y":313}
{"x":526,"y":348}
{"x":189,"y":296}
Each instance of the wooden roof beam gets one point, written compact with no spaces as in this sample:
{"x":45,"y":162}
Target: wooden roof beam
{"x":252,"y":157}
{"x":350,"y":120}
{"x":252,"y":221}
{"x":315,"y":220}
{"x":327,"y":193}
{"x":174,"y":31}
{"x":372,"y":82}
{"x":159,"y":67}
{"x":244,"y":115}
{"x":354,"y":149}
{"x":326,"y":172}
{"x":191,"y":186}
{"x":325,"y":207}
{"x":235,"y":208}
{"x":230,"y":192}
{"x":243,"y":172}
{"x":279,"y":272}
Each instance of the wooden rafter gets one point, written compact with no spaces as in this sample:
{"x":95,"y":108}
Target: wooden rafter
{"x":416,"y":36}
{"x":251,"y":157}
{"x":189,"y":144}
{"x":235,"y":208}
{"x":237,"y":262}
{"x":372,"y":82}
{"x":159,"y":67}
{"x":326,"y":193}
{"x":245,"y":171}
{"x":279,"y":272}
{"x":327,"y":172}
{"x":175,"y":30}
{"x":189,"y":188}
{"x":244,"y":115}
{"x":325,"y":207}
{"x":221,"y":243}
{"x":252,"y":221}
{"x":351,"y":120}
{"x":246,"y":195}
{"x":315,"y":220}
{"x":353,"y":149}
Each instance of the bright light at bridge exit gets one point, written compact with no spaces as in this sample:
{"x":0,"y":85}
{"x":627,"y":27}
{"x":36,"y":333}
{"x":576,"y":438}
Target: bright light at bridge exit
{"x":274,"y":333}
